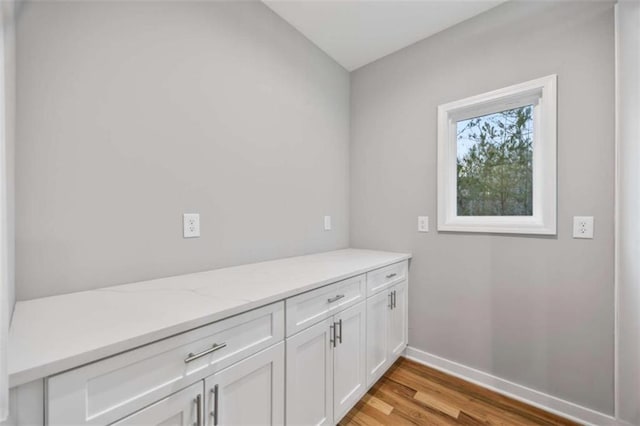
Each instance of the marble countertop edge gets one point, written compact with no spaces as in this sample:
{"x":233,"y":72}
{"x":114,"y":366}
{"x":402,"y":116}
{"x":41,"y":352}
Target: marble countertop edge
{"x":40,"y":364}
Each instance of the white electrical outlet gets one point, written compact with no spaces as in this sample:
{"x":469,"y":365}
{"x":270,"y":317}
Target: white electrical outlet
{"x":423,"y":223}
{"x":191,"y":225}
{"x":327,"y":223}
{"x":583,"y":227}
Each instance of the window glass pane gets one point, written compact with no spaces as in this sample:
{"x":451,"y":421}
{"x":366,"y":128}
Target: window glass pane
{"x":495,"y":155}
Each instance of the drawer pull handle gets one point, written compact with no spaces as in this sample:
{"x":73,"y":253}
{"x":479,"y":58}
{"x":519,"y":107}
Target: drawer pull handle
{"x":335,"y":299}
{"x":391,"y":276}
{"x":198,"y":402}
{"x":193,"y":357}
{"x":332,"y":335}
{"x":214,"y":413}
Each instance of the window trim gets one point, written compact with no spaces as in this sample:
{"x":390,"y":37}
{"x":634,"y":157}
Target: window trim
{"x":542,"y":93}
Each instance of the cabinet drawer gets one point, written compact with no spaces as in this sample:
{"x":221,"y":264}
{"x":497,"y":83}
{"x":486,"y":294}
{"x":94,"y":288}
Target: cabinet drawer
{"x":382,"y":278}
{"x":108,"y":390}
{"x":183,"y":408}
{"x":308,"y":308}
{"x":351,"y":291}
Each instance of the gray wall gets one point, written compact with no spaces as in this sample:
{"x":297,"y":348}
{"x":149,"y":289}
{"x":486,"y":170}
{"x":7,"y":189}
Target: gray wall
{"x":132,"y":113}
{"x":628,"y":70}
{"x":533,"y":310}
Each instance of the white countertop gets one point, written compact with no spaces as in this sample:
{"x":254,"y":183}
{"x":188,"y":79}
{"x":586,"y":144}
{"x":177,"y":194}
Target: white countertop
{"x":53,"y":334}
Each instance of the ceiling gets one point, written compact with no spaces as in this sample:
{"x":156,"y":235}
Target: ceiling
{"x":356,"y":32}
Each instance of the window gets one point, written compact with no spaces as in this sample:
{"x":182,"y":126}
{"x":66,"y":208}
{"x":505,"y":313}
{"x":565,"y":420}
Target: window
{"x":495,"y":164}
{"x":497,"y":161}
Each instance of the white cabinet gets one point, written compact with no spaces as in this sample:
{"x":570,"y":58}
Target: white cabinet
{"x":183,"y":408}
{"x":310,"y":376}
{"x":378,"y":307}
{"x":308,"y":308}
{"x":383,"y":278}
{"x":326,"y":368}
{"x":386,"y":329}
{"x":306,"y":360}
{"x":108,"y":390}
{"x":250,"y":392}
{"x":398,"y":318}
{"x":349,"y":357}
{"x":351,"y":291}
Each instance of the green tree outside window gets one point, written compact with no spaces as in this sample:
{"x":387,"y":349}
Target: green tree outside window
{"x":495,"y":164}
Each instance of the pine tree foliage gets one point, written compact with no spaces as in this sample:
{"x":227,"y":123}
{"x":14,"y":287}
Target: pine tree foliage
{"x":494,"y":165}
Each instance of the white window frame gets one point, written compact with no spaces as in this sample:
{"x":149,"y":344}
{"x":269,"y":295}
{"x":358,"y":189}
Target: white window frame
{"x":542,"y":94}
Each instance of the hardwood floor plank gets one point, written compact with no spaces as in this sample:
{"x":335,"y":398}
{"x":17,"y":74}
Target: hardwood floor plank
{"x":378,"y":404}
{"x":477,"y":409}
{"x":465,"y":419}
{"x":366,"y":416}
{"x":391,"y":419}
{"x":478,"y":401}
{"x":453,"y":397}
{"x":412,"y":409}
{"x":413,"y":394}
{"x":433,"y":402}
{"x":483,"y":394}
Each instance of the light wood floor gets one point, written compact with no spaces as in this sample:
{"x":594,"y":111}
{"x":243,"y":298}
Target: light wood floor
{"x":413,"y":394}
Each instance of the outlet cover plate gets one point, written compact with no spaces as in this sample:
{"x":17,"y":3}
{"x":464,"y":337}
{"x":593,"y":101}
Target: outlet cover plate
{"x":423,"y":223}
{"x":583,"y":227}
{"x":327,"y":223}
{"x":191,"y":225}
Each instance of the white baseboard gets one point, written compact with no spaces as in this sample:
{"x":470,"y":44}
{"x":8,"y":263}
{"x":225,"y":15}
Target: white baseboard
{"x":533,"y":397}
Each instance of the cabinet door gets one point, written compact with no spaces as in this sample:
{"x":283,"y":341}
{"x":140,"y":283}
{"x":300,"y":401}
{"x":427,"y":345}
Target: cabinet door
{"x":250,"y":392}
{"x":183,"y":408}
{"x":310,"y":376}
{"x":378,"y":307}
{"x":398,"y":320}
{"x":349,"y":359}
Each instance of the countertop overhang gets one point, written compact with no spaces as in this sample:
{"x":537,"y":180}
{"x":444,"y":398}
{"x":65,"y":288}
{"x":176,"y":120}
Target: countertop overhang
{"x":53,"y":334}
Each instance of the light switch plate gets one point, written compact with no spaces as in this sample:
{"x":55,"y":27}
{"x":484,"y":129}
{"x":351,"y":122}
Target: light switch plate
{"x":327,"y":223}
{"x":583,"y":227}
{"x":191,"y":225}
{"x":423,"y":223}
